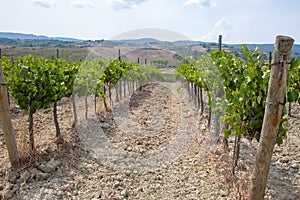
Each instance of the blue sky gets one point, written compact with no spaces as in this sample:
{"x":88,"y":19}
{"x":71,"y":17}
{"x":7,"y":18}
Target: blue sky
{"x":239,"y":21}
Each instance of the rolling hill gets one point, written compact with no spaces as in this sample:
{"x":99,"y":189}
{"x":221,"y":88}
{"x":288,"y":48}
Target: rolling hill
{"x":16,"y":44}
{"x":22,"y":36}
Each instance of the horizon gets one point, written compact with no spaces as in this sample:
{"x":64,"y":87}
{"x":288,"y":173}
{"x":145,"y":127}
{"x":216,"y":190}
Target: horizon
{"x":117,"y":38}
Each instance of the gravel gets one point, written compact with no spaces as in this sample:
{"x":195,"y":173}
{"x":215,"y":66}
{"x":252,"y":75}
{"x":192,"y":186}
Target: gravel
{"x":153,"y":145}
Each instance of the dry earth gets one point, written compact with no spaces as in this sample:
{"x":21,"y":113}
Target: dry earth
{"x":132,"y":54}
{"x":154,"y":145}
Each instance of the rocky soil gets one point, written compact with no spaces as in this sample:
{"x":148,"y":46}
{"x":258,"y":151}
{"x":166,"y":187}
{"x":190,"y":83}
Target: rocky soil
{"x":153,"y":145}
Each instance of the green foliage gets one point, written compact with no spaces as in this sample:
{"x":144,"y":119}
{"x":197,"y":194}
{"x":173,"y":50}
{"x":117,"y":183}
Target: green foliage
{"x":90,"y":78}
{"x":96,"y":74}
{"x":293,"y":80}
{"x":36,"y":82}
{"x":237,"y":88}
{"x":245,"y":86}
{"x":160,"y":62}
{"x":115,"y":71}
{"x":143,"y":73}
{"x":150,"y":73}
{"x":204,"y":74}
{"x":28,"y":81}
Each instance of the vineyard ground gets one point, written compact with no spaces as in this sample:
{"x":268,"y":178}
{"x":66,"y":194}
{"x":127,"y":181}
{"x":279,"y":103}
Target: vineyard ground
{"x":154,"y":145}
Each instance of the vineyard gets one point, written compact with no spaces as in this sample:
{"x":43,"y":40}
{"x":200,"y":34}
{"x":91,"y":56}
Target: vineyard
{"x":112,"y":129}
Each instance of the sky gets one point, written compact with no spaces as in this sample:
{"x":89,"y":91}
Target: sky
{"x":238,"y":21}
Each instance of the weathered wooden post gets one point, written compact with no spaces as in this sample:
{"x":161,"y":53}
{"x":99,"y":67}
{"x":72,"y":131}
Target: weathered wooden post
{"x":119,"y":54}
{"x":55,"y":118}
{"x":272,"y":117}
{"x":74,"y":109}
{"x":57,"y":53}
{"x":7,"y":127}
{"x":218,"y":94}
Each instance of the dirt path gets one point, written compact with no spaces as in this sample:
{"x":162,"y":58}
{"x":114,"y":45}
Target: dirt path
{"x":150,"y":130}
{"x":154,"y":145}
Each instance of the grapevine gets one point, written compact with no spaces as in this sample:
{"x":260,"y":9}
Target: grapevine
{"x":245,"y":84}
{"x":36,"y":83}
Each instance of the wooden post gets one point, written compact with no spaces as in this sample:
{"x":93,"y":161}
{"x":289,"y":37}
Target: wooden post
{"x":7,"y":127}
{"x":201,"y":101}
{"x":74,"y":109}
{"x":55,"y":110}
{"x":124,"y":87}
{"x":120,"y":88}
{"x":117,"y":92}
{"x":218,"y":94}
{"x":57,"y":53}
{"x":220,"y":43}
{"x":272,"y":117}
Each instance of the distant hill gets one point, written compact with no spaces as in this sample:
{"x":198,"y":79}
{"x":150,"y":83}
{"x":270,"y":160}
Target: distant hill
{"x":140,"y":41}
{"x":22,"y":36}
{"x":181,"y":43}
{"x":265,"y":47}
{"x":156,"y":33}
{"x":132,"y":49}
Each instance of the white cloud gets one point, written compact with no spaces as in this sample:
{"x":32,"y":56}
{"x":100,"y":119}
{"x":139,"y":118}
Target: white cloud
{"x":45,"y":3}
{"x":203,"y":3}
{"x":83,"y":4}
{"x":222,"y":27}
{"x":124,"y":4}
